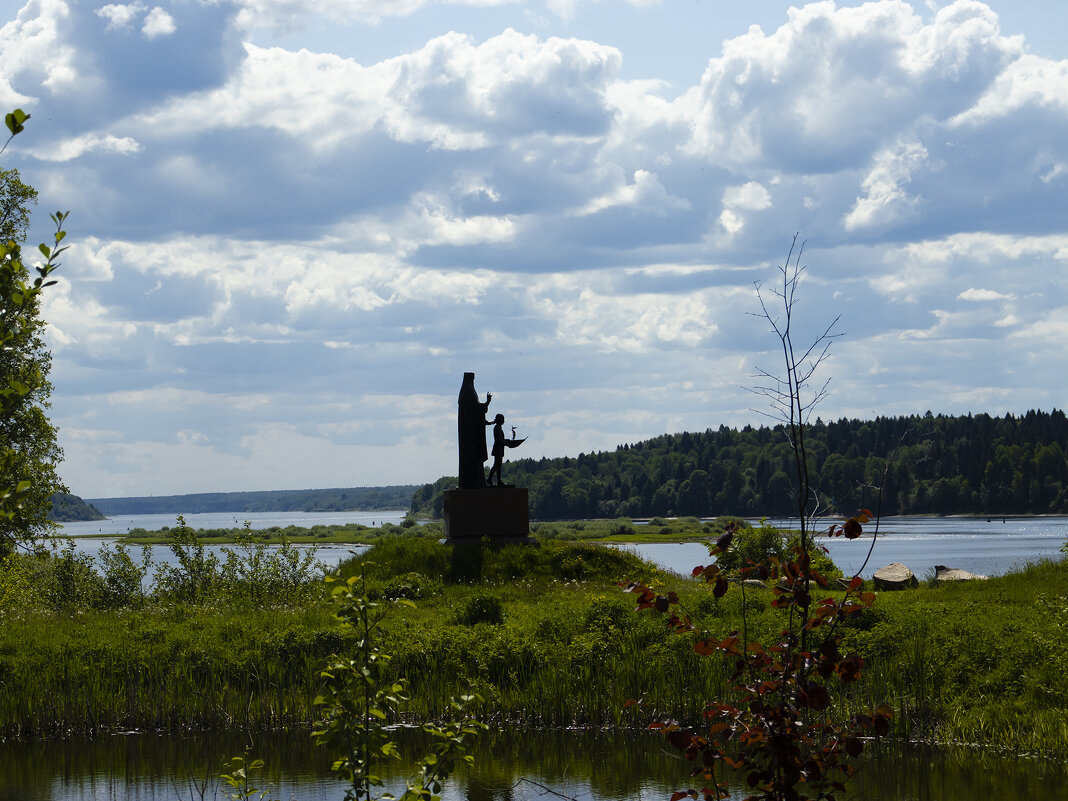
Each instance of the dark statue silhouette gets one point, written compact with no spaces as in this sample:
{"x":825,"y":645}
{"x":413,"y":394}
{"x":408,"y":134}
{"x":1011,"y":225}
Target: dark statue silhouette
{"x":471,"y":429}
{"x":500,"y":442}
{"x":476,"y":510}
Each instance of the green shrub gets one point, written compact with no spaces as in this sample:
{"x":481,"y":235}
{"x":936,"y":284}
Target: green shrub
{"x":411,"y":586}
{"x":481,"y":608}
{"x":609,"y":614}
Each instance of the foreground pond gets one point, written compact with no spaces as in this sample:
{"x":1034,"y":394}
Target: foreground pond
{"x":509,"y":767}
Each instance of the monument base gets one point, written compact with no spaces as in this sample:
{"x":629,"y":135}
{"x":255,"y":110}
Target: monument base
{"x":500,"y":513}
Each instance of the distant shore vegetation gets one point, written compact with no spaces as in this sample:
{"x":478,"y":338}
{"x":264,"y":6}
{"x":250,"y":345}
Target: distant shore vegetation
{"x":924,"y":465}
{"x":343,"y":499}
{"x":67,"y":508}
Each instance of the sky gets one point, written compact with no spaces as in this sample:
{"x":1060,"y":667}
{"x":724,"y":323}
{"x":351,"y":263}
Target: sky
{"x":295,"y":224}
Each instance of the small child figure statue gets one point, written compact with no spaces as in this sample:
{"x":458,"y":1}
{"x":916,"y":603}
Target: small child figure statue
{"x":500,"y":442}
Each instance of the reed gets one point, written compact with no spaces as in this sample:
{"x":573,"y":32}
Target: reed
{"x":568,"y":651}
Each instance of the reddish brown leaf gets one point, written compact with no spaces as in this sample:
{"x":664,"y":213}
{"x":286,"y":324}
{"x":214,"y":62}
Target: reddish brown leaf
{"x":854,"y":747}
{"x":848,"y":670}
{"x":679,"y":739}
{"x":856,"y":583}
{"x":721,"y":587}
{"x":817,"y":697}
{"x":852,"y":528}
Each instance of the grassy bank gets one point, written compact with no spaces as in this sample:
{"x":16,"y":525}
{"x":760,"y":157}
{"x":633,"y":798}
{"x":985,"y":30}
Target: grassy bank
{"x":682,"y":529}
{"x":342,"y":533}
{"x":545,"y":635}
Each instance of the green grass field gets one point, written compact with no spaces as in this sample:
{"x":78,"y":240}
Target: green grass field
{"x":545,"y":635}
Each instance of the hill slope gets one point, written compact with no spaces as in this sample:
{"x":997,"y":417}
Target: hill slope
{"x":70,"y":508}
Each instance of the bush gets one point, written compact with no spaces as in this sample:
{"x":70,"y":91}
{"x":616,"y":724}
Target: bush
{"x":481,"y":608}
{"x":411,"y":586}
{"x":607,"y":615}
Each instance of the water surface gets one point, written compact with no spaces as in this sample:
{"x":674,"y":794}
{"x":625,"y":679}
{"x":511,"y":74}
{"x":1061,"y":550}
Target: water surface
{"x":986,"y":547}
{"x":510,"y":765}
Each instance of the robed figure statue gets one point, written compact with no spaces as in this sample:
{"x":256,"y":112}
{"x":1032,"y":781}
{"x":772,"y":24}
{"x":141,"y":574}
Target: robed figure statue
{"x":471,"y":427}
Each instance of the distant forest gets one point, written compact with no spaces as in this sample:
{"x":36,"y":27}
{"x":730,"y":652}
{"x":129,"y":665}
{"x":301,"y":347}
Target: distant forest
{"x":67,"y":508}
{"x":351,"y":499}
{"x":974,"y":464}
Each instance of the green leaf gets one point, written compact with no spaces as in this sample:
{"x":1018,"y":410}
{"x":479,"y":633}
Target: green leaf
{"x":47,"y":251}
{"x":15,"y":120}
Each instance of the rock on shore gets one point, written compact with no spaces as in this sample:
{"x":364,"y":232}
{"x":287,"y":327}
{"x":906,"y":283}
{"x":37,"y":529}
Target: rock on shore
{"x":894,"y":577}
{"x":945,"y":574}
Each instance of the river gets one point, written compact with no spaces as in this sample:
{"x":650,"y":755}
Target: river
{"x":978,"y":545}
{"x":509,"y":766}
{"x":986,"y":547}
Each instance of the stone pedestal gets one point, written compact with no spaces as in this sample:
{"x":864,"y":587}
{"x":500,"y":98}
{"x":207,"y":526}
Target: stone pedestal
{"x":500,"y":513}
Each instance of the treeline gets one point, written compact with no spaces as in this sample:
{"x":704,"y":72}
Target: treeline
{"x":68,"y":508}
{"x":926,"y":464}
{"x":351,"y":499}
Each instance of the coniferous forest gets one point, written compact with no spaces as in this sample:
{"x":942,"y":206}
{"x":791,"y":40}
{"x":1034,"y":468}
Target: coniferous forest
{"x":926,"y":464}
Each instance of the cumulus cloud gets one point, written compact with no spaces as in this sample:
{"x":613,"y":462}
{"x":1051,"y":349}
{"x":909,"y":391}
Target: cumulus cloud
{"x":885,"y":199}
{"x":291,"y":14}
{"x":33,"y":52}
{"x":451,"y":93}
{"x":646,"y":193}
{"x":751,"y":196}
{"x":158,"y":23}
{"x":982,"y":295}
{"x":1027,"y":81}
{"x":70,"y":149}
{"x":827,"y":88}
{"x":120,"y":16}
{"x":257,"y":213}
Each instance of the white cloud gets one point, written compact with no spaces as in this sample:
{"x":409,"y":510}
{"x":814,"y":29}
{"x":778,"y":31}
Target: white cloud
{"x":751,"y":196}
{"x":70,"y":149}
{"x":885,"y":199}
{"x":1028,"y":81}
{"x":646,"y":194}
{"x":32,"y":50}
{"x":451,"y":94}
{"x":158,"y":23}
{"x":827,"y":88}
{"x":120,"y":16}
{"x":383,"y":216}
{"x":291,"y":14}
{"x":982,"y":295}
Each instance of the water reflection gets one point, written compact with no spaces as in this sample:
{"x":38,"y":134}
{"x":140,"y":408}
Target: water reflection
{"x":510,"y":766}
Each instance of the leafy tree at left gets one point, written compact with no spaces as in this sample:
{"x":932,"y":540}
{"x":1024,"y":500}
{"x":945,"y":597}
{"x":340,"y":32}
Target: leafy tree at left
{"x":29,"y":454}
